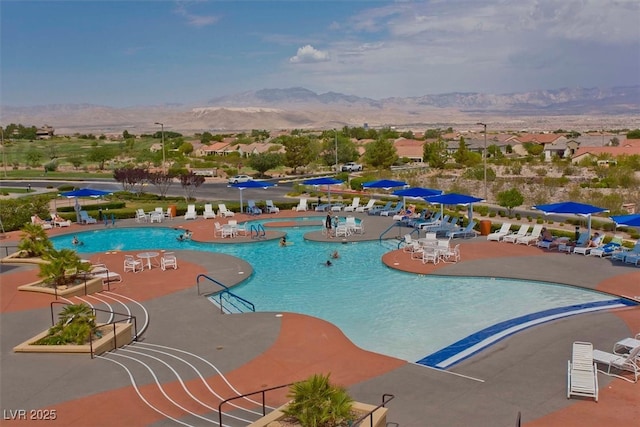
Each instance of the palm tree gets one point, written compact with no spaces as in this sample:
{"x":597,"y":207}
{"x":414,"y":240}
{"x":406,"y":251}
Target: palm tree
{"x":63,"y":267}
{"x":34,"y":241}
{"x":317,"y":403}
{"x":76,"y":324}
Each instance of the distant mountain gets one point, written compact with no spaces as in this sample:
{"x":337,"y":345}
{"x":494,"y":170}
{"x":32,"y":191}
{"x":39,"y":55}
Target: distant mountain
{"x":300,"y":108}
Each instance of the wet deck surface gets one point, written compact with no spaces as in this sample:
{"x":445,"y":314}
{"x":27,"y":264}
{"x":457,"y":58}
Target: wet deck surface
{"x":525,"y":372}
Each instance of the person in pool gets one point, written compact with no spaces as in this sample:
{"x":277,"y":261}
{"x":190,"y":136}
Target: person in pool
{"x":283,"y":241}
{"x":328,"y":263}
{"x":76,"y":241}
{"x":185,"y":236}
{"x":335,"y":255}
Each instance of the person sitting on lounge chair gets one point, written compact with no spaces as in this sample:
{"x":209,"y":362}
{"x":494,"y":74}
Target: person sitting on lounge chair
{"x":546,"y":236}
{"x":595,"y":241}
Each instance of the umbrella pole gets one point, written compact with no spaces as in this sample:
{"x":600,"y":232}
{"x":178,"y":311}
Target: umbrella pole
{"x":241,"y":200}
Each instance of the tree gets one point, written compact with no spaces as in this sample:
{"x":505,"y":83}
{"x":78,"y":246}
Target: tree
{"x":264,"y":161}
{"x":130,"y":177}
{"x":510,"y":199}
{"x":33,"y":157}
{"x":34,"y":241}
{"x":299,"y":151}
{"x":75,"y":161}
{"x":190,"y":183}
{"x":76,"y":324}
{"x":381,"y":154}
{"x":162,"y":181}
{"x":62,"y":267}
{"x":347,"y":151}
{"x":100,"y":154}
{"x":633,"y":134}
{"x":462,"y":154}
{"x":435,"y":153}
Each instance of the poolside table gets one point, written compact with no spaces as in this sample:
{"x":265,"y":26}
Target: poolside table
{"x":148,"y":256}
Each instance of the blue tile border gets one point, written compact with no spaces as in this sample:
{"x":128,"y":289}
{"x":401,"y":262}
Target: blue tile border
{"x":468,"y":346}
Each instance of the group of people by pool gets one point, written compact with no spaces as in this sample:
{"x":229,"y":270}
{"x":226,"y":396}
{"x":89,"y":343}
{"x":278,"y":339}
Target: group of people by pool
{"x":553,"y":241}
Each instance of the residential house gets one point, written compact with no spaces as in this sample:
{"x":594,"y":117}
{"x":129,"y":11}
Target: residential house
{"x":409,"y":148}
{"x":630,"y":147}
{"x":45,"y":132}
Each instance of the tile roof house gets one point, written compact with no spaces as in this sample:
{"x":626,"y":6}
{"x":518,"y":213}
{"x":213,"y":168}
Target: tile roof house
{"x":215,"y":148}
{"x":630,"y":147}
{"x":409,"y":148}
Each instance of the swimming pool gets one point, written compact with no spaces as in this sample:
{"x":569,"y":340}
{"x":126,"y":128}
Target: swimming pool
{"x":380,"y":309}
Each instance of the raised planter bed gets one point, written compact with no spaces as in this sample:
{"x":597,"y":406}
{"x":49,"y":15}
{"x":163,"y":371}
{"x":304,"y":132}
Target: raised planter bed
{"x":92,"y":286}
{"x":277,"y":417}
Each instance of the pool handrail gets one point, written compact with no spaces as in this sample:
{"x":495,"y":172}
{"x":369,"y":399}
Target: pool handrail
{"x":225,"y":290}
{"x":395,"y":224}
{"x":258,"y":228}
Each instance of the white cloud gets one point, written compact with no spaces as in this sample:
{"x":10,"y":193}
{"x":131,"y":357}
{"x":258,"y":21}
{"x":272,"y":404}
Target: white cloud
{"x":193,"y":19}
{"x":309,"y":54}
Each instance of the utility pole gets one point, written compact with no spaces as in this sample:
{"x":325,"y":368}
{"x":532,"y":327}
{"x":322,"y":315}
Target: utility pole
{"x":484,"y":159}
{"x":162,"y":127}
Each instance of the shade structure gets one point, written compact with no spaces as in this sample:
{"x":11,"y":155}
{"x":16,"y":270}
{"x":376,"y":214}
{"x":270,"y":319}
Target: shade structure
{"x":387,"y":184}
{"x":575,"y":208}
{"x":632,"y":220}
{"x":83,"y":192}
{"x":328,"y":181}
{"x":250,"y":184}
{"x":416,"y":193}
{"x":454,"y":199}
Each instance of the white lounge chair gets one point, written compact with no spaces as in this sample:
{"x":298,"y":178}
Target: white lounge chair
{"x":168,"y":260}
{"x":586,"y":249}
{"x":582,"y":241}
{"x":271,"y":208}
{"x":107,"y":276}
{"x":224,"y":212}
{"x":620,"y":362}
{"x":512,"y":237}
{"x":58,"y":221}
{"x":367,"y":207}
{"x":302,"y":205}
{"x":208,"y":211}
{"x":496,"y":236}
{"x":582,"y":373}
{"x":622,"y":255}
{"x":608,"y":249}
{"x":464,"y":233}
{"x":36,"y":220}
{"x":355,"y":204}
{"x":530,"y":237}
{"x":191,"y":212}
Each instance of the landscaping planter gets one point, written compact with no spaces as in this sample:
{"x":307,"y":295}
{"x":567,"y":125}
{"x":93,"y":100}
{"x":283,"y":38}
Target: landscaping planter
{"x":93,"y":286}
{"x":276,"y":418}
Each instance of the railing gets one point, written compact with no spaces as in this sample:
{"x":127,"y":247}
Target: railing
{"x":403,"y":240}
{"x":395,"y":224}
{"x":386,"y":398}
{"x":127,"y":318}
{"x":234,"y":300}
{"x":259,"y":229}
{"x":262,"y":392}
{"x":5,"y":249}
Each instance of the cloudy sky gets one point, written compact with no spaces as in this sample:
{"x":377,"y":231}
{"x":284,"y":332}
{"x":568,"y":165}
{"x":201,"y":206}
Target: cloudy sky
{"x":157,"y":52}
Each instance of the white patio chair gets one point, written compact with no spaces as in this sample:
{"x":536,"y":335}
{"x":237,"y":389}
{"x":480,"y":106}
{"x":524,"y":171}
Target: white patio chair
{"x":141,"y":216}
{"x":132,"y":264}
{"x":271,"y":208}
{"x":168,"y":260}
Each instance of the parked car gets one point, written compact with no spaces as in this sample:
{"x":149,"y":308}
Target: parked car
{"x":239,"y":178}
{"x":351,"y":167}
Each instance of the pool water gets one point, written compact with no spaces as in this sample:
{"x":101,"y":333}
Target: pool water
{"x":404,"y":315}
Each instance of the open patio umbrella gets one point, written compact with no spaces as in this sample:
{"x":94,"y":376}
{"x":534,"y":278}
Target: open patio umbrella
{"x":575,"y":208}
{"x":328,"y":181}
{"x":416,"y":193}
{"x":387,"y":184}
{"x":250,"y":184}
{"x":83,"y":192}
{"x":632,"y":220}
{"x":454,"y":199}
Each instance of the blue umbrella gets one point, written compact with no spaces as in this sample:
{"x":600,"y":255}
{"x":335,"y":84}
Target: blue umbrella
{"x":387,"y":184}
{"x":86,"y":192}
{"x":250,"y":184}
{"x":575,"y":208}
{"x":454,"y":199}
{"x":628,"y":220}
{"x":328,"y":181}
{"x":415,"y":193}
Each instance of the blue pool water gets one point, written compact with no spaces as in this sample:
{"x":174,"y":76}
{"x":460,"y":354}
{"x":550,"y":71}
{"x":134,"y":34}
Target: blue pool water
{"x":380,"y":309}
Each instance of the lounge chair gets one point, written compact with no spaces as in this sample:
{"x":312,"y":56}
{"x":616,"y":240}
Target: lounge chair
{"x":625,"y":345}
{"x":620,"y":362}
{"x":417,"y":223}
{"x":58,"y":221}
{"x":530,"y":237}
{"x":86,"y":219}
{"x":355,"y":204}
{"x":323,"y":207}
{"x":464,"y":233}
{"x":582,"y":373}
{"x":168,"y":260}
{"x":191,"y":212}
{"x":609,"y":248}
{"x":302,"y":206}
{"x":622,"y":254}
{"x":271,"y":208}
{"x":107,"y":276}
{"x":223,"y":211}
{"x":512,"y":237}
{"x":583,"y":240}
{"x":586,"y":249}
{"x":208,"y":211}
{"x":36,"y":220}
{"x":496,"y":236}
{"x":434,"y":225}
{"x":393,"y":211}
{"x":378,"y":209}
{"x":252,"y":209}
{"x":366,"y":208}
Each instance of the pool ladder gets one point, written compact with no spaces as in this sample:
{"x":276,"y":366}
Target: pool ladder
{"x":260,"y":232}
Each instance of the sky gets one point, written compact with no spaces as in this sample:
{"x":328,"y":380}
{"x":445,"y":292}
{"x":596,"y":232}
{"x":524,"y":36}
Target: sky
{"x":156,"y":52}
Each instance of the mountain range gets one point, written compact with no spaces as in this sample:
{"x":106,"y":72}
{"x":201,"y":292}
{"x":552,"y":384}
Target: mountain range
{"x":569,"y":108}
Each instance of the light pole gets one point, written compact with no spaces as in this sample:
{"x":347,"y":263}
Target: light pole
{"x":335,"y":134}
{"x":484,"y":159}
{"x":162,"y":131}
{"x":4,"y":152}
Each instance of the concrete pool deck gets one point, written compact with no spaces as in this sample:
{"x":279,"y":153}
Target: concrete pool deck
{"x":523,"y":373}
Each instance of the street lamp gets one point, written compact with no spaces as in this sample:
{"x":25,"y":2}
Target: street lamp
{"x":335,"y":134}
{"x":162,"y":127}
{"x":484,"y":158}
{"x":4,"y":152}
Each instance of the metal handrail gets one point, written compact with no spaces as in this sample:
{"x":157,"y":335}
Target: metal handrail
{"x":6,"y":249}
{"x":247,"y":304}
{"x":386,"y":398}
{"x":257,"y":228}
{"x":127,"y":317}
{"x":395,"y":224}
{"x":264,"y":406}
{"x":225,"y":290}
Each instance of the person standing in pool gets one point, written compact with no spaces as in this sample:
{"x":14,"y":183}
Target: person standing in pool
{"x":327,"y":224}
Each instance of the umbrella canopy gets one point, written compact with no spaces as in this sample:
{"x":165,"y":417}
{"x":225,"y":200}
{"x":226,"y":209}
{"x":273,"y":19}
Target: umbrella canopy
{"x":454,"y":199}
{"x":85,"y":192}
{"x":387,"y":184}
{"x":328,"y":181}
{"x":250,"y":184}
{"x":572,"y":208}
{"x":628,"y":220}
{"x":415,"y":193}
